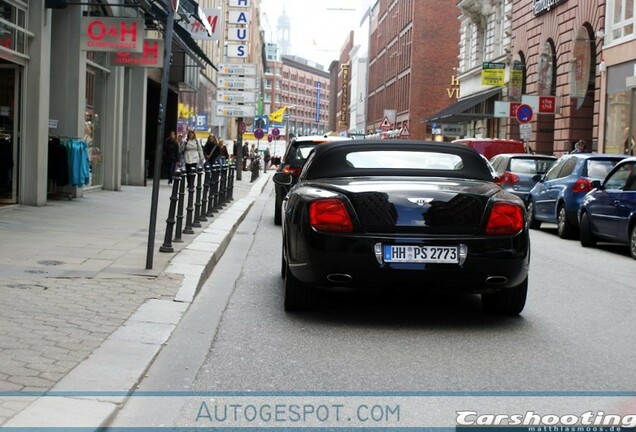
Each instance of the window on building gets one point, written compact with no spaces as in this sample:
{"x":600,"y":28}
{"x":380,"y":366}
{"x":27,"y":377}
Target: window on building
{"x":620,"y":19}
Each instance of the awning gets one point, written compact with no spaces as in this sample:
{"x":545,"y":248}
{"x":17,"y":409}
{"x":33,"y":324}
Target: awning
{"x":182,"y":36}
{"x":463,"y":110}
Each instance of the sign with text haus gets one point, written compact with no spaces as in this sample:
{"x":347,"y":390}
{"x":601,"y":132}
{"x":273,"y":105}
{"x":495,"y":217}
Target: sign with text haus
{"x":112,"y":34}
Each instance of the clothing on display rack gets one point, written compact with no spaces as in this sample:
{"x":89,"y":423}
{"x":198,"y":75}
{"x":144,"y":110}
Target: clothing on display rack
{"x":68,"y":162}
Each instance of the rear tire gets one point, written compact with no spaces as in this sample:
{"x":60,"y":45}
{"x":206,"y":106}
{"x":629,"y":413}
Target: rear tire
{"x":565,"y":228}
{"x":586,"y":237}
{"x":532,"y":222}
{"x":506,"y":302}
{"x":632,"y":242}
{"x":298,"y":295}
{"x":278,"y":220}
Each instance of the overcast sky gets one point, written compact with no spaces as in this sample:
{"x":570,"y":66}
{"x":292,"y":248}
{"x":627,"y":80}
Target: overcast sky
{"x":318,"y":28}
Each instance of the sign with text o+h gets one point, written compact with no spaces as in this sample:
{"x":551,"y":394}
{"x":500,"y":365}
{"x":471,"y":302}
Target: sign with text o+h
{"x":524,"y":113}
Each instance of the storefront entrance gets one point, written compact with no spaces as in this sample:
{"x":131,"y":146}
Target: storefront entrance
{"x":9,"y":85}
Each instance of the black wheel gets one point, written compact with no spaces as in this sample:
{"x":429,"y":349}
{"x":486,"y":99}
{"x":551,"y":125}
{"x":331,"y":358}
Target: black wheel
{"x":586,"y":237}
{"x":532,"y":222}
{"x":506,"y":302}
{"x":298,"y":296}
{"x":278,"y":220}
{"x":632,"y":242}
{"x":565,"y":229}
{"x":283,"y":263}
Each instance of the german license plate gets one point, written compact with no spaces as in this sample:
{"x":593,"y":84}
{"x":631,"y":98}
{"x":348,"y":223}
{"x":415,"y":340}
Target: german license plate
{"x":421,"y":254}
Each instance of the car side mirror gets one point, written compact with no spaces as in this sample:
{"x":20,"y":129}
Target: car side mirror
{"x":538,"y":178}
{"x":596,"y":184}
{"x":283,"y":179}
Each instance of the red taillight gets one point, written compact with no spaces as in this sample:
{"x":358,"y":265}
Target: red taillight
{"x":505,"y":218}
{"x":509,"y":177}
{"x":330,"y":215}
{"x":582,"y":185}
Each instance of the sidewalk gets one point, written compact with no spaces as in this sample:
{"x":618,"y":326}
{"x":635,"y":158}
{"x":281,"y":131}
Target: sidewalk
{"x":79,"y":311}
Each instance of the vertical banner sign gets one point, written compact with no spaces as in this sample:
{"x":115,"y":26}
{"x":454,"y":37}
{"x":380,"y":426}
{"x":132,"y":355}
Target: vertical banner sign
{"x":237,"y":29}
{"x":112,"y":34}
{"x":318,"y":87}
{"x":516,"y":80}
{"x":344,"y":102}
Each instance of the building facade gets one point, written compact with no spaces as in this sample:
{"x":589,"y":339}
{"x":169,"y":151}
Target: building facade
{"x":305,"y":93}
{"x":412,"y":47}
{"x":485,"y":37}
{"x":617,"y":69}
{"x":558,"y":46}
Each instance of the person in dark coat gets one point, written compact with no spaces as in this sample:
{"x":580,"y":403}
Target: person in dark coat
{"x":211,"y":150}
{"x":171,"y":154}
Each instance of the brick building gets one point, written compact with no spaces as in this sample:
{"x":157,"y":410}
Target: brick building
{"x":558,"y":46}
{"x":413,"y":50}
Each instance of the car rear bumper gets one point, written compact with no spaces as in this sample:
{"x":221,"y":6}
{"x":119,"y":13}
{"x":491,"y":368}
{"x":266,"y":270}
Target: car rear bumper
{"x":491,"y":265}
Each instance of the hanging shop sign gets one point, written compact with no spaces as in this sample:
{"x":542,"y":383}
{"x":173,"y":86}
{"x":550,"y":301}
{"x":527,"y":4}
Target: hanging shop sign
{"x":542,"y":6}
{"x":493,"y":74}
{"x":151,"y":57}
{"x":112,"y":34}
{"x":200,"y":32}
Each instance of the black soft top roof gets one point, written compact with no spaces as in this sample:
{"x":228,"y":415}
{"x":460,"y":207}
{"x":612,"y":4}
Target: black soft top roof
{"x":329,"y":160}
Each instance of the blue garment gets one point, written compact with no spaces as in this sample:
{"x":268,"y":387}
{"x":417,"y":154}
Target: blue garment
{"x":78,"y":162}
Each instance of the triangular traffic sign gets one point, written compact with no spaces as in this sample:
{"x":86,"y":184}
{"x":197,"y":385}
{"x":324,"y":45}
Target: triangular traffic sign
{"x":386,"y":124}
{"x":405,"y":131}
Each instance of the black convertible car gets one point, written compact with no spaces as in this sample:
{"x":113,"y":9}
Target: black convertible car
{"x":382,"y":214}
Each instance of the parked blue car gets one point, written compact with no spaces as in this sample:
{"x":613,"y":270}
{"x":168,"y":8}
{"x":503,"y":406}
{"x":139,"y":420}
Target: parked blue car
{"x":608,"y":213}
{"x":557,"y":196}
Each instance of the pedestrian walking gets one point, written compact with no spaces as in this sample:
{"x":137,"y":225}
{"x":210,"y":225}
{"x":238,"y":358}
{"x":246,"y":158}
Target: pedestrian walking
{"x":171,"y":154}
{"x":211,"y":150}
{"x":246,"y":155}
{"x":193,"y":153}
{"x":267,"y":156}
{"x":181,"y":143}
{"x":224,"y":155}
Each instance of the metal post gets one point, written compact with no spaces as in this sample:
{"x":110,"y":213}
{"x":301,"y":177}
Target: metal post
{"x":210,"y":211}
{"x":196,"y":223}
{"x":179,"y":226}
{"x":190,"y":209}
{"x":216,"y":173}
{"x":163,"y":101}
{"x":204,"y":201}
{"x":239,"y":148}
{"x":231,"y":182}
{"x":167,"y":240}
{"x":223,"y":185}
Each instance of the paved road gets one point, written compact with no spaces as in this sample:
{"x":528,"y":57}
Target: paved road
{"x":575,"y":334}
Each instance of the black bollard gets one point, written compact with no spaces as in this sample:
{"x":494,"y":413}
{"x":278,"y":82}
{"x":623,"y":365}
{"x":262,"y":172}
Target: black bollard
{"x":204,"y":200}
{"x":167,"y":240}
{"x":190,"y":209}
{"x":223,"y":185}
{"x":196,"y":222}
{"x":179,"y":226}
{"x":211,"y":208}
{"x":230,"y":180}
{"x":216,"y":184}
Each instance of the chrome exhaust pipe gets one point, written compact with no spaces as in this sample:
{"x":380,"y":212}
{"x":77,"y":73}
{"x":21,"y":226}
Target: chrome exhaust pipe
{"x":339,"y":278}
{"x":496,"y":280}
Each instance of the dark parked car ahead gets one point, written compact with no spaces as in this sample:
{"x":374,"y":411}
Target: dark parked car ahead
{"x":608,"y":213}
{"x":287,"y":173}
{"x":390,"y":214}
{"x":557,"y":196}
{"x":516,"y":171}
